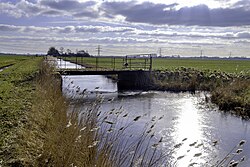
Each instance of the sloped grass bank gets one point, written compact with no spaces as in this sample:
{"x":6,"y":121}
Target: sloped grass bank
{"x":16,"y":93}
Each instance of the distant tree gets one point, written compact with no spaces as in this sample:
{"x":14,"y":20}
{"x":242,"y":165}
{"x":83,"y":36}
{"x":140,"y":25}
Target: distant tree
{"x":82,"y":53}
{"x":68,"y":51}
{"x":61,"y":50}
{"x":53,"y":51}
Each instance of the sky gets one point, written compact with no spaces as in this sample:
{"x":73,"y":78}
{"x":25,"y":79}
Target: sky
{"x":125,"y":27}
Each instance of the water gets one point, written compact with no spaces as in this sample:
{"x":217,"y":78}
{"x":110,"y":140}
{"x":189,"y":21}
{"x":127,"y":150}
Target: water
{"x":205,"y":133}
{"x":67,"y":65}
{"x":1,"y":69}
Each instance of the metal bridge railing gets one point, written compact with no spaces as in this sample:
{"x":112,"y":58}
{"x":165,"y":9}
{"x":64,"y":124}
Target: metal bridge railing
{"x":129,"y":62}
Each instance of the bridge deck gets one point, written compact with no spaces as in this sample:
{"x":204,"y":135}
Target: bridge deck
{"x":103,"y":72}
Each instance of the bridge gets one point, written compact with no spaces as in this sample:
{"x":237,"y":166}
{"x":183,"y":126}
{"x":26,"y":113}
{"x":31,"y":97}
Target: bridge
{"x":134,"y":71}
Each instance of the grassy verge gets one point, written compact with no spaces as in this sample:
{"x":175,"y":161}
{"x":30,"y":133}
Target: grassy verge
{"x":16,"y":91}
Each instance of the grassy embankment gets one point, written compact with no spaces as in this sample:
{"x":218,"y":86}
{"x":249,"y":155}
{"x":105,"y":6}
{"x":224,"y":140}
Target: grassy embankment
{"x":227,"y":80}
{"x":16,"y":93}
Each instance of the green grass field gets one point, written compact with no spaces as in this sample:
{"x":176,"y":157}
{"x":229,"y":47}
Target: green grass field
{"x":10,"y":60}
{"x":230,"y":66}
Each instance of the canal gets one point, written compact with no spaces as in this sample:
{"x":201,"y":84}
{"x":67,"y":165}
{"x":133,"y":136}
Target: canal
{"x":194,"y":133}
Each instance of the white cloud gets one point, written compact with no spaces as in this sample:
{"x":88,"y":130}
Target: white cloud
{"x":132,"y":26}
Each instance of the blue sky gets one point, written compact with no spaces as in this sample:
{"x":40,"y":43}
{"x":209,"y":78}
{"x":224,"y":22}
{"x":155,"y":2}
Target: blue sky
{"x":120,"y":27}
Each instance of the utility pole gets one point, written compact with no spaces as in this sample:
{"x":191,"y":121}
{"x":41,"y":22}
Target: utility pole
{"x":98,"y":50}
{"x":201,"y":53}
{"x":98,"y":54}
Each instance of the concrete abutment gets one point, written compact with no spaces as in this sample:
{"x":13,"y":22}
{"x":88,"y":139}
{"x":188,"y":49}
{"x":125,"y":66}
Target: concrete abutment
{"x":135,"y":80}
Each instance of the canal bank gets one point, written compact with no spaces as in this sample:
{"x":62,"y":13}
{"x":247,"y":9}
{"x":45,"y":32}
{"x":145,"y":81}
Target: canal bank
{"x":17,"y":87}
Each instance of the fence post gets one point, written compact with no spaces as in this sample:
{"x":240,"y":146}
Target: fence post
{"x":130,"y":63}
{"x":96,"y":63}
{"x":150,"y":66}
{"x":81,"y":62}
{"x":76,"y":62}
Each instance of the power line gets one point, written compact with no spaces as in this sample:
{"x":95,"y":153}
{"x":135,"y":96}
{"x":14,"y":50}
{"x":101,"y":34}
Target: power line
{"x":99,"y":50}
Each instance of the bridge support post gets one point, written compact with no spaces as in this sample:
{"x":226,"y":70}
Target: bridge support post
{"x":135,"y":80}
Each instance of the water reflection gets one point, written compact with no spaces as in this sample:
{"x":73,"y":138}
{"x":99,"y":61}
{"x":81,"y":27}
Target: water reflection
{"x":189,"y":132}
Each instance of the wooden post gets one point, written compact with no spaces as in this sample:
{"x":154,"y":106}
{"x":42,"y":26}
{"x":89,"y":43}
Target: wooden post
{"x":96,"y":63}
{"x":76,"y":62}
{"x":81,"y":62}
{"x":150,"y":66}
{"x":130,"y":63}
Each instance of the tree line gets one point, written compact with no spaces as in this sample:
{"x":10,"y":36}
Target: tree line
{"x":61,"y":52}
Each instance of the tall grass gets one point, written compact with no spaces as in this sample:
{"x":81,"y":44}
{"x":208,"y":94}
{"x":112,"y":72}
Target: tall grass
{"x":234,"y":96}
{"x":53,"y":136}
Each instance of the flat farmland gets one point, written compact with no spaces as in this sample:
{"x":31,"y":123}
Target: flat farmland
{"x":231,"y":66}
